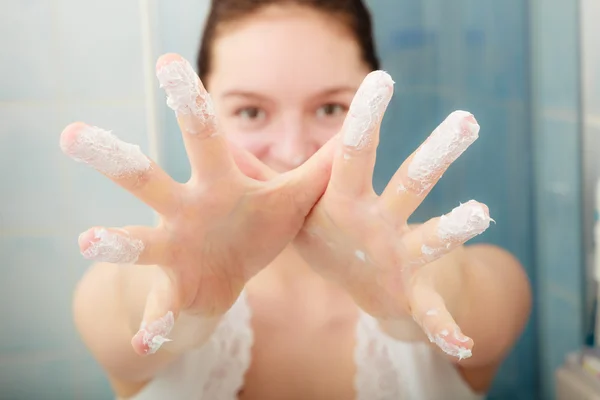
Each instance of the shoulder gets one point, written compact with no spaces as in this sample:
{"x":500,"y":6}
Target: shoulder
{"x":512,"y":300}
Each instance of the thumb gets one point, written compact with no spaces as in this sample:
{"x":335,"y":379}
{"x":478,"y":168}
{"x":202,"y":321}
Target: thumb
{"x":158,"y":319}
{"x":430,"y":312}
{"x":249,"y":165}
{"x":310,"y":180}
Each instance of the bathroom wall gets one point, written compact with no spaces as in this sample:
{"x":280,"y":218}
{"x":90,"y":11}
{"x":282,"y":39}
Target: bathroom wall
{"x":590,"y":118}
{"x":557,"y":149}
{"x":62,"y":61}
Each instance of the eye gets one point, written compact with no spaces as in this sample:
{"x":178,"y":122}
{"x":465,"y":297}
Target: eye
{"x":253,"y":114}
{"x":331,"y":110}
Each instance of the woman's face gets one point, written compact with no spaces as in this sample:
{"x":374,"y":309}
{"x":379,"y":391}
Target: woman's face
{"x":282,"y":81}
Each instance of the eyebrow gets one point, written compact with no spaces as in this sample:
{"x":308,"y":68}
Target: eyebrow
{"x":256,"y":96}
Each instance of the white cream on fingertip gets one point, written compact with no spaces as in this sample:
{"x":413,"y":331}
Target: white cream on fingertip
{"x":451,"y":349}
{"x":105,"y":152}
{"x":367,"y":109}
{"x":185,"y":95}
{"x":447,"y":142}
{"x":155,"y":334}
{"x":464,"y":222}
{"x":434,"y":252}
{"x":112,"y":247}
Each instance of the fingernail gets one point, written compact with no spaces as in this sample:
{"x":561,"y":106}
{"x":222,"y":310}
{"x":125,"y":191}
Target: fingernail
{"x":102,"y":245}
{"x":450,"y":348}
{"x":367,"y":109}
{"x":449,"y":140}
{"x":464,"y":222}
{"x":458,"y":335}
{"x":104,"y":151}
{"x":154,"y":334}
{"x":185,"y":95}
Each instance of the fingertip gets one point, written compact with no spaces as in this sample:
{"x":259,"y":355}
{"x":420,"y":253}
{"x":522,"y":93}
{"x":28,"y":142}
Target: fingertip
{"x":151,"y":336}
{"x":100,"y":244}
{"x":137,"y":343}
{"x":86,"y":239}
{"x":453,"y":342}
{"x":367,"y":109}
{"x":379,"y":78}
{"x":486,"y":209}
{"x":465,"y":221}
{"x":168,"y":58}
{"x":69,"y":135}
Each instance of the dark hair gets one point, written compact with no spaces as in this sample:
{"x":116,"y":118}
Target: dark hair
{"x":353,"y":13}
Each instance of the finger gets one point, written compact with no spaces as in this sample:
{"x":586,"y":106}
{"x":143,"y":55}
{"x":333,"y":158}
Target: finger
{"x":422,"y":170}
{"x":309,"y":181}
{"x":355,"y":160}
{"x":186,"y":95}
{"x":439,"y":236}
{"x":430,"y":312}
{"x":249,"y":165}
{"x":131,"y":245}
{"x":158,"y":320}
{"x":123,"y":163}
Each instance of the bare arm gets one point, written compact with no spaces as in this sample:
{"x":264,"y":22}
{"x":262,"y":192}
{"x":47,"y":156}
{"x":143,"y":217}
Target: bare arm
{"x":488,"y":294}
{"x":108,"y":306}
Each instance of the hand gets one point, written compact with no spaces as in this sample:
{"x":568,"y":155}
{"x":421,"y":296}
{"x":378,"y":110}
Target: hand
{"x":363,"y":241}
{"x":216,"y":231}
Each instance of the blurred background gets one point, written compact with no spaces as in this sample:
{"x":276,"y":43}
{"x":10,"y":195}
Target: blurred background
{"x":528,"y":70}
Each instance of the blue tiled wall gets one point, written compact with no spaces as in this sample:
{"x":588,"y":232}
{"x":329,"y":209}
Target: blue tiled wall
{"x":590,"y":84}
{"x":62,"y":61}
{"x":556,"y":111}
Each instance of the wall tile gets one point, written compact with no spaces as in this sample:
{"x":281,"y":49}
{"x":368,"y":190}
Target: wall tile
{"x":33,"y":177}
{"x":99,"y":49}
{"x":37,"y":379}
{"x":90,"y":380}
{"x":28,"y":51}
{"x":37,"y":302}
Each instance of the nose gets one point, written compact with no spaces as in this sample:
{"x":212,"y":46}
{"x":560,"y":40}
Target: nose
{"x":293,"y":146}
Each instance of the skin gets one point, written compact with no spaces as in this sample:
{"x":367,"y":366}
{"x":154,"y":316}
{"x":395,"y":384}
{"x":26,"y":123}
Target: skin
{"x":281,"y":175}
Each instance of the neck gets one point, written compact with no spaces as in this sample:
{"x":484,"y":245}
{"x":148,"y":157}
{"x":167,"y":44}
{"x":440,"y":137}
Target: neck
{"x":290,"y":280}
{"x":291,"y":269}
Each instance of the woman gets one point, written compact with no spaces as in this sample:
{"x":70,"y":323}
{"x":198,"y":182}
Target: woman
{"x":276,"y":272}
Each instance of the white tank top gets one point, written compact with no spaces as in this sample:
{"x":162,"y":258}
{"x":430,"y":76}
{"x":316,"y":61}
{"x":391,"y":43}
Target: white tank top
{"x":387,"y":369}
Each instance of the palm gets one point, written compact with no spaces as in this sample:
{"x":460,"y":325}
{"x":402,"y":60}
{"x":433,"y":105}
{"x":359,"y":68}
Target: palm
{"x":223,"y":234}
{"x":347,"y":240}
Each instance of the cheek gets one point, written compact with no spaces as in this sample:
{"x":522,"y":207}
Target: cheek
{"x":255,"y":143}
{"x":323,"y":132}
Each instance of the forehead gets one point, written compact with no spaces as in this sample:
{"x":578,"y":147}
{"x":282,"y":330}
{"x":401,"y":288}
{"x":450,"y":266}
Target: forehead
{"x":286,"y":51}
